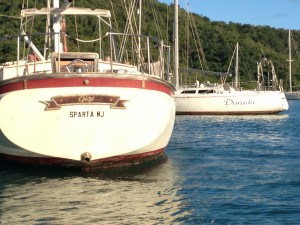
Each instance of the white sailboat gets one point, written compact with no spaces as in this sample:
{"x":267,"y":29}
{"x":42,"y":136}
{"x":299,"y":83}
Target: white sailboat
{"x":221,"y":98}
{"x":74,"y":109}
{"x":291,"y":95}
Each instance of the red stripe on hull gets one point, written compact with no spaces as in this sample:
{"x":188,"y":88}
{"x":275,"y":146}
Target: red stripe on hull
{"x":57,"y":82}
{"x":115,"y":162}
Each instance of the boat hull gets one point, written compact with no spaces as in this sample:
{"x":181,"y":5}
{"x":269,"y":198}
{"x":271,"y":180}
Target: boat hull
{"x":292,"y":95}
{"x":231,"y":103}
{"x":85,"y":121}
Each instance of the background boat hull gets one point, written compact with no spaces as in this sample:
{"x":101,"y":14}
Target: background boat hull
{"x":239,"y":102}
{"x":292,"y":95}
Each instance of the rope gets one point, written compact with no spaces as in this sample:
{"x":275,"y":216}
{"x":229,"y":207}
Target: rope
{"x":196,"y":37}
{"x":295,"y":46}
{"x":76,"y":27}
{"x":244,"y":62}
{"x":114,"y":16}
{"x":232,"y":57}
{"x":154,"y":10}
{"x":15,"y":17}
{"x":86,"y":41}
{"x":262,"y":51}
{"x":130,"y":27}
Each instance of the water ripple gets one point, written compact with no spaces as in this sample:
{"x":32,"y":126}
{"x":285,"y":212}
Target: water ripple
{"x":220,"y":170}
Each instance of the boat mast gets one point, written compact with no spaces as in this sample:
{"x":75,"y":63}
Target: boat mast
{"x":56,"y":24}
{"x":290,"y":61}
{"x":56,"y":28}
{"x":237,"y":66}
{"x":139,"y":37}
{"x":176,"y":54}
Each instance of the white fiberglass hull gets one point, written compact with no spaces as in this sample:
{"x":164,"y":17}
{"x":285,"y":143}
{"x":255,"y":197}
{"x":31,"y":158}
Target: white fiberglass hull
{"x":34,"y":124}
{"x":292,"y":95}
{"x":234,"y":102}
{"x":83,"y":109}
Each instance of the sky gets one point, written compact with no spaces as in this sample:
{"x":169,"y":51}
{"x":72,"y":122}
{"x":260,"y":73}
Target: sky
{"x":274,"y":13}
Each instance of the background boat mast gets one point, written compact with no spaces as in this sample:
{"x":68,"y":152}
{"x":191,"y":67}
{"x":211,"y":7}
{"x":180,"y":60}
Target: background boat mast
{"x":290,"y":61}
{"x":237,"y":66}
{"x":176,"y":53}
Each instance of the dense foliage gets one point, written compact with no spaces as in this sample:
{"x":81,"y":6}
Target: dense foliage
{"x":218,"y":39}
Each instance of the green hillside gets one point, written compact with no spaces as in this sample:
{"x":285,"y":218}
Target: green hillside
{"x":217,"y":39}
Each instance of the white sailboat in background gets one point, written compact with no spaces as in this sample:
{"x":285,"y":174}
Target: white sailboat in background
{"x":221,"y":98}
{"x":74,"y":109}
{"x":291,"y":95}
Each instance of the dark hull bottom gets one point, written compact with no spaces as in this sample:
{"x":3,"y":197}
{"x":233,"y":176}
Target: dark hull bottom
{"x":122,"y":162}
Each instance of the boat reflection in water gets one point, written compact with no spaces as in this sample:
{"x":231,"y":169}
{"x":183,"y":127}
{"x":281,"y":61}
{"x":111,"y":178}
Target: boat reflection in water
{"x":134,"y":198}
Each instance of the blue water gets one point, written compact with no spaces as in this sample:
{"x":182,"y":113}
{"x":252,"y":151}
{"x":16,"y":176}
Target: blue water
{"x":219,"y":170}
